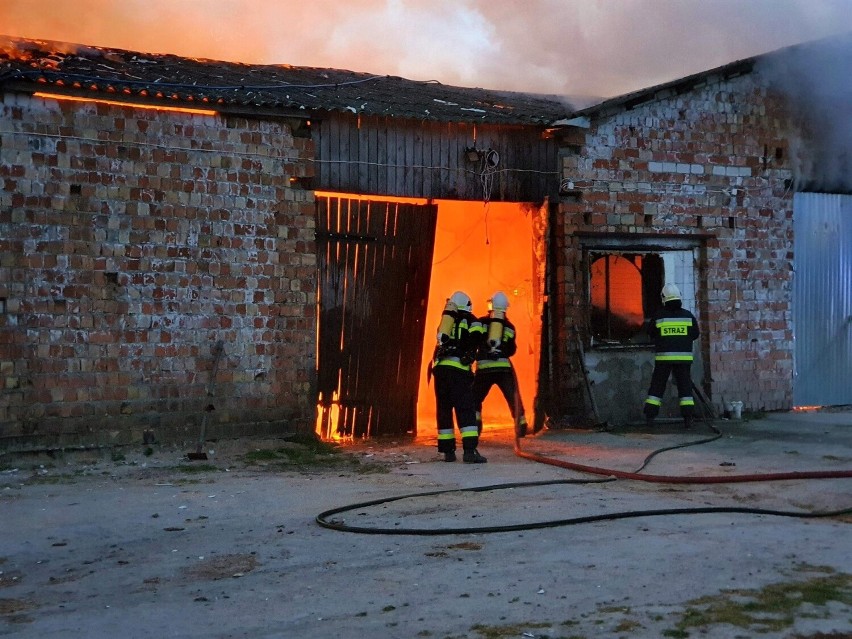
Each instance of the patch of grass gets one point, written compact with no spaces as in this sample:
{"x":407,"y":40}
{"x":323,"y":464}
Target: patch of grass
{"x":306,"y":451}
{"x":265,"y":454}
{"x":12,"y":606}
{"x":49,"y":480}
{"x":612,"y":609}
{"x":311,"y":441}
{"x":368,"y":468}
{"x":628,"y":625}
{"x":511,"y":630}
{"x":771,"y":609}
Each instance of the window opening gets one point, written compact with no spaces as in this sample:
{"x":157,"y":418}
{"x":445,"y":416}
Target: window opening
{"x":624,"y":289}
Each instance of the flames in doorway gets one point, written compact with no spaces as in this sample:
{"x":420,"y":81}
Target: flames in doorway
{"x":479,"y":248}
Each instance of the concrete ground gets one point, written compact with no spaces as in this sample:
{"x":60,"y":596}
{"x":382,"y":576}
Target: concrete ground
{"x":143,"y":543}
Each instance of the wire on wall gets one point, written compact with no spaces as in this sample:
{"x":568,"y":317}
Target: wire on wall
{"x":485,"y":174}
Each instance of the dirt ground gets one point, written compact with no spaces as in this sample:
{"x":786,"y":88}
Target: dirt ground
{"x":142,"y":542}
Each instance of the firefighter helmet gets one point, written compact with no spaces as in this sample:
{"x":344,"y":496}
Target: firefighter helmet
{"x":498,"y":302}
{"x":461,"y":300}
{"x":670,"y":293}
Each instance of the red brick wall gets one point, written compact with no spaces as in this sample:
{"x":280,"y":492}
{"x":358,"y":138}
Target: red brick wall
{"x":131,"y":240}
{"x":710,"y":161}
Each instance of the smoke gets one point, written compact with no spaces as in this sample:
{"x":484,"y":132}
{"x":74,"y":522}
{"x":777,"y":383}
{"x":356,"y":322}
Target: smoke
{"x":817,"y":86}
{"x":566,"y":47}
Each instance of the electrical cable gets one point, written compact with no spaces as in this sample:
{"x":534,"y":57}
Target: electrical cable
{"x":282,"y":159}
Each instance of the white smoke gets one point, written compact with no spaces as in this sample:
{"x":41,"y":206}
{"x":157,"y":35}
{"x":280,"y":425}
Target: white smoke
{"x":566,"y":47}
{"x":816,"y":82}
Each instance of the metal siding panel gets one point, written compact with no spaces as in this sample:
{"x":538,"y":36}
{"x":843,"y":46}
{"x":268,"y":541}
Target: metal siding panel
{"x":822,"y":300}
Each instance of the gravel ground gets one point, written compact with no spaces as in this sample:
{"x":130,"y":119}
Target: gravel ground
{"x":144,"y":543}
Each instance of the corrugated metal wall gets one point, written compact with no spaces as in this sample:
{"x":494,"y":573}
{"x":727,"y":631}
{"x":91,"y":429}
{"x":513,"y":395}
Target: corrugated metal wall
{"x":386,"y":156}
{"x":822,"y":299}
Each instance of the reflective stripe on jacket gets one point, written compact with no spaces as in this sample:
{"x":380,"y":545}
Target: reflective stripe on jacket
{"x":673,"y":329}
{"x":460,"y":349}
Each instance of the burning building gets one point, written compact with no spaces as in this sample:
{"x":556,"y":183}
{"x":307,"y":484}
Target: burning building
{"x":730,"y":183}
{"x":314,"y":220}
{"x":154,"y":206}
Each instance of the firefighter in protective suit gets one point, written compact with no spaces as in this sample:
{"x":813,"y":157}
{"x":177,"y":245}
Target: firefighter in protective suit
{"x":673,"y":329}
{"x":459,"y":334}
{"x":493,"y":365}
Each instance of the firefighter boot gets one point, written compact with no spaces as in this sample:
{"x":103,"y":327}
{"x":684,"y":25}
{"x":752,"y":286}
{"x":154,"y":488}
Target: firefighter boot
{"x":687,"y":422}
{"x":450,"y":456}
{"x":650,"y":415}
{"x":473,"y":457}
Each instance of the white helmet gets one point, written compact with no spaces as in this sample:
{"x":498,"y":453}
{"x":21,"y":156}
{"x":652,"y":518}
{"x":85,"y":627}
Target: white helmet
{"x":461,"y":300}
{"x":670,"y":293}
{"x":498,"y":301}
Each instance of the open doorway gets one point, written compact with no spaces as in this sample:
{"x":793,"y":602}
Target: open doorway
{"x":385,"y":269}
{"x":481,"y":248}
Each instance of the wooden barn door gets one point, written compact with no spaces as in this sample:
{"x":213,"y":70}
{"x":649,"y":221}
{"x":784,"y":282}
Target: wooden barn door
{"x":375,"y":261}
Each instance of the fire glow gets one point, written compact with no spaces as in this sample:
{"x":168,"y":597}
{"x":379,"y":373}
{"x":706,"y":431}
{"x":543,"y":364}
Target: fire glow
{"x":479,"y":248}
{"x":135,"y":105}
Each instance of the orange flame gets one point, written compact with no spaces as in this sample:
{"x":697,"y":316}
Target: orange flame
{"x":135,"y":105}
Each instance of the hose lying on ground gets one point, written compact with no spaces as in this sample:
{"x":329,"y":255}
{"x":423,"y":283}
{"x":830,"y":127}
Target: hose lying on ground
{"x":324,"y":518}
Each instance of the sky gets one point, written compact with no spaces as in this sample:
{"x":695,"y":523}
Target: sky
{"x":596,"y":48}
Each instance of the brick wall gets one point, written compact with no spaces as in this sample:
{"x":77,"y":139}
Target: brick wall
{"x":712,"y":162}
{"x":131,"y":240}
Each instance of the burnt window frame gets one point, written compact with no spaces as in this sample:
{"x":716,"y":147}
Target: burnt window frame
{"x":651,"y":272}
{"x":659,"y":244}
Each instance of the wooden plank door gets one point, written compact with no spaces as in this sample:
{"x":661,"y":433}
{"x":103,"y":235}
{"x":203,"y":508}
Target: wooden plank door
{"x":375,"y":263}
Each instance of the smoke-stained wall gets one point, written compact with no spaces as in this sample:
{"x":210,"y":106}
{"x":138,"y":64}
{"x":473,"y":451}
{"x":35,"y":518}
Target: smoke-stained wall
{"x":704,"y":167}
{"x":131,"y":241}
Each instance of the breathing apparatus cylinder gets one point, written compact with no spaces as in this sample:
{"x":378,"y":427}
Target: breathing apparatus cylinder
{"x":447,"y":322}
{"x":456,"y":301}
{"x":497,"y":305}
{"x":495,"y":329}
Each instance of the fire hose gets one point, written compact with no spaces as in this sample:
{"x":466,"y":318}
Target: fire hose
{"x":326,"y":519}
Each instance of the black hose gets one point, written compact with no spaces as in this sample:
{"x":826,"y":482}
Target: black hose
{"x":323,"y":519}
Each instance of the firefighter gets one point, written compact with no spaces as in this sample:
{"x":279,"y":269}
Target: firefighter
{"x":493,"y":365}
{"x":673,"y":329}
{"x":459,"y":334}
